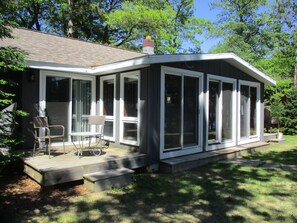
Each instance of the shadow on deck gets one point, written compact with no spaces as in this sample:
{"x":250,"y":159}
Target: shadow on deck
{"x":69,"y":167}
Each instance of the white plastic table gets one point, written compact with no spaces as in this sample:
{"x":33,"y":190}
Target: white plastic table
{"x":80,"y":147}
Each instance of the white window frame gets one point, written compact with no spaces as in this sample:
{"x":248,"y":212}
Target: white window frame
{"x":108,"y":117}
{"x":123,"y":119}
{"x":250,"y":138}
{"x":184,"y":150}
{"x":42,"y":96}
{"x":228,"y":143}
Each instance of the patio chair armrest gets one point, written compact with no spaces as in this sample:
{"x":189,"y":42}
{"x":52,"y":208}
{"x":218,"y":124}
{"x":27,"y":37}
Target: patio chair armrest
{"x":47,"y":131}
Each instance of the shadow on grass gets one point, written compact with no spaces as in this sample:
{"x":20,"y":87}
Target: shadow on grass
{"x":207,"y":194}
{"x":202,"y":195}
{"x":288,"y":157}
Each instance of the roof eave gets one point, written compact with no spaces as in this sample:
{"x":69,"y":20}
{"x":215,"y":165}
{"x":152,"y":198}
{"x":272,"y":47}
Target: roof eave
{"x":145,"y":61}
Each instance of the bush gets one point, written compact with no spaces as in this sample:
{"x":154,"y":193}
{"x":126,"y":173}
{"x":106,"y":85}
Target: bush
{"x":11,"y":163}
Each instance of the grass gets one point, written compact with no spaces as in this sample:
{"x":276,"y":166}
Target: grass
{"x":214,"y":193}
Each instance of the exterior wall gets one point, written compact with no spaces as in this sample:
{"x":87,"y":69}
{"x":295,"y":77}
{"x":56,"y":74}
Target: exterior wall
{"x":150,"y":89}
{"x":29,"y":99}
{"x":27,"y":95}
{"x":215,"y":67}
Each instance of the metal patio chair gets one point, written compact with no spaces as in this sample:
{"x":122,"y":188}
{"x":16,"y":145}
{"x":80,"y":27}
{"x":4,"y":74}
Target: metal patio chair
{"x":45,"y":133}
{"x":99,"y":122}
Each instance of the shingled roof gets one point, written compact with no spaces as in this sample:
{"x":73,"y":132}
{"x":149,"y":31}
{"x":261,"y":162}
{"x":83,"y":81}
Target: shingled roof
{"x":50,"y":48}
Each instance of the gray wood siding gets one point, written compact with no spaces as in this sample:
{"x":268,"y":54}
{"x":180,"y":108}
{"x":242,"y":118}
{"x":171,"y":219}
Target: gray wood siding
{"x":153,"y":113}
{"x":27,"y":102}
{"x":215,"y":67}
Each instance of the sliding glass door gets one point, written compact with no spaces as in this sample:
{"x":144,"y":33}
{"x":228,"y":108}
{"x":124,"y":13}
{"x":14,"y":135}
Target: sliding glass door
{"x":58,"y":101}
{"x":68,"y":100}
{"x":249,"y":110}
{"x":221,"y":112}
{"x":180,"y":111}
{"x":81,"y":105}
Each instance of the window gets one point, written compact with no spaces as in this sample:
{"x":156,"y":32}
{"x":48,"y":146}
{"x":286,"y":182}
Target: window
{"x":107,"y":105}
{"x":221,"y":112}
{"x":129,"y":114}
{"x":249,"y":110}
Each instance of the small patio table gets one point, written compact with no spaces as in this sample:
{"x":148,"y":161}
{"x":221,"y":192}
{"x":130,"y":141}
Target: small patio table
{"x":80,"y":147}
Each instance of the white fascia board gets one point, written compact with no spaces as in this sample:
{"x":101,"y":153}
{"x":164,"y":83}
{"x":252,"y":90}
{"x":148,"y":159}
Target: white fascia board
{"x":58,"y":67}
{"x":123,"y":65}
{"x":251,"y":70}
{"x":145,"y":61}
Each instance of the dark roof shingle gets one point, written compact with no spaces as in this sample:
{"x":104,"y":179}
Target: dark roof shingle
{"x":50,"y":48}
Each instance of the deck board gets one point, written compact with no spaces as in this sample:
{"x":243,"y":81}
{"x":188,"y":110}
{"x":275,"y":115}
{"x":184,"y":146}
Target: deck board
{"x":69,"y":167}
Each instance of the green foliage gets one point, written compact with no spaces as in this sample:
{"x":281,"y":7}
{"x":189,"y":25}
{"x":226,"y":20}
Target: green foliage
{"x":11,"y":60}
{"x":11,"y":162}
{"x":263,"y":33}
{"x":289,"y":118}
{"x":171,"y":23}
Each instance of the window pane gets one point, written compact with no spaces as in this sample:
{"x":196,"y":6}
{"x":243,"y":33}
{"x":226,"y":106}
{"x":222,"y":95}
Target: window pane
{"x":172,"y":111}
{"x":227,"y":111}
{"x":130,"y":131}
{"x":214,"y":90}
{"x":244,"y":98}
{"x":58,"y":101}
{"x":253,"y":113}
{"x":108,"y":129}
{"x":190,"y":111}
{"x":108,"y":97}
{"x":130,"y":97}
{"x":81,"y":105}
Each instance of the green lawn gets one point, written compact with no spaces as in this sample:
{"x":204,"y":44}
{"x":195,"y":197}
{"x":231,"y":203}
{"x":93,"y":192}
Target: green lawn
{"x":214,"y":193}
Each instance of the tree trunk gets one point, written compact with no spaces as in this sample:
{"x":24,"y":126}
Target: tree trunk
{"x":295,"y":75}
{"x":70,"y":23}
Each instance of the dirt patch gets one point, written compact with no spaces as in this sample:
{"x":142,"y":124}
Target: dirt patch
{"x":20,"y":196}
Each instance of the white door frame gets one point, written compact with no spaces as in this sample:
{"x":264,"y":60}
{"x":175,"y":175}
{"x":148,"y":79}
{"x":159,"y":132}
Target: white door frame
{"x":42,"y":94}
{"x":250,"y":138}
{"x":220,"y":143}
{"x":183,"y":150}
{"x":108,"y":118}
{"x":123,"y":119}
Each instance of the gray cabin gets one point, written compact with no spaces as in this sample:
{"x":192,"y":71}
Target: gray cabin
{"x":162,"y":105}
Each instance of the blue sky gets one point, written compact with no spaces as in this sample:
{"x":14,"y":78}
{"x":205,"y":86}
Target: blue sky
{"x":203,"y":11}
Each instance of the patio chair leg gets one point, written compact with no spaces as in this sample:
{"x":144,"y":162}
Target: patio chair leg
{"x":64,"y":146}
{"x":34,"y":149}
{"x":49,"y":148}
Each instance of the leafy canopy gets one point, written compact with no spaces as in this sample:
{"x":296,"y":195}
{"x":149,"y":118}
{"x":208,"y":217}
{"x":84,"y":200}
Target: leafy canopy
{"x":171,"y":23}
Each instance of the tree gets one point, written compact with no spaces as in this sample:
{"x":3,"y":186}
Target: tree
{"x":11,"y":60}
{"x":171,"y":23}
{"x":264,"y":33}
{"x":242,"y":25}
{"x":116,"y":22}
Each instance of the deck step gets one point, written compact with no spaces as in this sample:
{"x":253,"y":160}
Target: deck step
{"x":106,"y":179}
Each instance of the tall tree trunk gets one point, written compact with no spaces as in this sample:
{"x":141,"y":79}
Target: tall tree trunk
{"x":70,"y":23}
{"x":295,"y":75}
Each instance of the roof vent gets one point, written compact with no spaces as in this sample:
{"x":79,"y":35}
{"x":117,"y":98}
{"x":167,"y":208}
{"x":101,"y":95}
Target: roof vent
{"x":148,"y":45}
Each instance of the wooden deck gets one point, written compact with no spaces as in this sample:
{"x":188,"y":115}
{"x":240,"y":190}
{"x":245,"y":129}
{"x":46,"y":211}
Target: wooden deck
{"x":62,"y":168}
